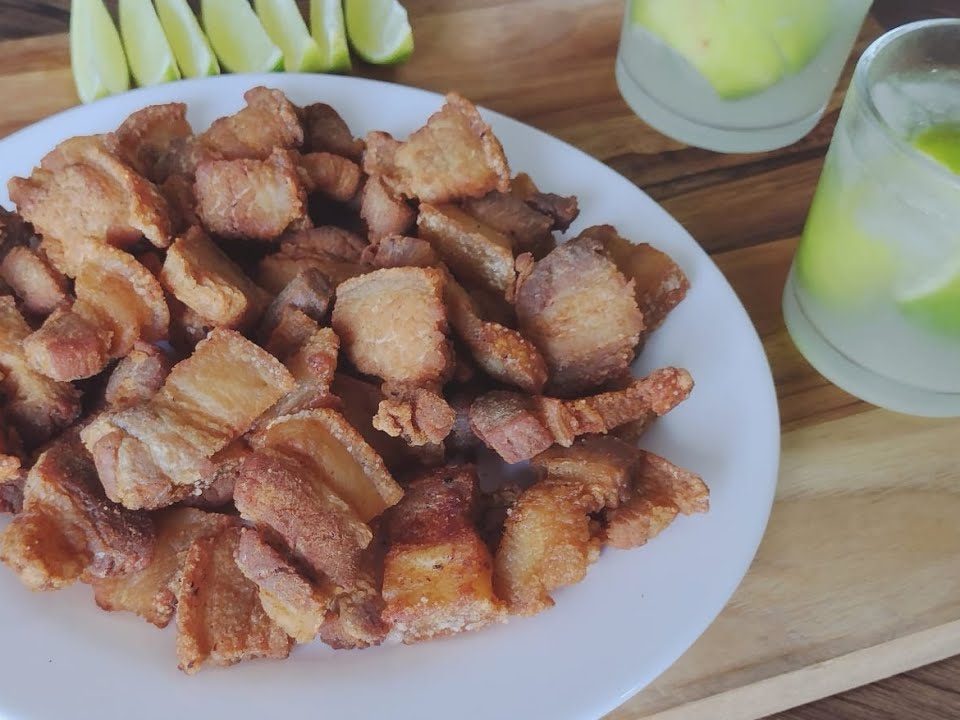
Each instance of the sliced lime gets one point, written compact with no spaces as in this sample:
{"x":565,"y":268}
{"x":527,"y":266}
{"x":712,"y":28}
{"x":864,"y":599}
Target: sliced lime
{"x":96,"y":54}
{"x":190,"y":46}
{"x":942,"y":143}
{"x":285,"y":26}
{"x":148,"y":52}
{"x":238,"y":38}
{"x":379,"y":30}
{"x":327,"y":28}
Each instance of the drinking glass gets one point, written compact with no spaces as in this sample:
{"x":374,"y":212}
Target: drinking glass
{"x":873,"y":296}
{"x":734,"y":75}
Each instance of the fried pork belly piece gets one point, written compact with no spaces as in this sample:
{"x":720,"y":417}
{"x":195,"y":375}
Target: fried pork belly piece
{"x":355,"y":621}
{"x":604,"y":466}
{"x":40,"y":287}
{"x":138,"y":376}
{"x":438,"y":573}
{"x":67,"y":529}
{"x":294,"y":328}
{"x":335,"y":455}
{"x":329,"y":240}
{"x":518,"y":427}
{"x":382,"y":212}
{"x":119,"y":301}
{"x":316,"y":359}
{"x":546,"y":543}
{"x":146,"y":135}
{"x":503,"y":353}
{"x":476,"y":253}
{"x":291,"y":600}
{"x":400,"y":251}
{"x":204,"y":279}
{"x":219,"y":617}
{"x":178,"y":192}
{"x":269,"y":121}
{"x":320,"y":529}
{"x":580,"y":311}
{"x":419,"y":415}
{"x":219,"y":483}
{"x":329,"y":175}
{"x":156,"y":453}
{"x":392,"y":324}
{"x":660,"y":490}
{"x":562,"y":210}
{"x":506,"y":212}
{"x":252,"y":199}
{"x":326,"y":131}
{"x":151,"y":591}
{"x":455,"y":155}
{"x":36,"y":406}
{"x":309,"y":292}
{"x":658,"y":282}
{"x":82,"y":196}
{"x":331,"y":251}
{"x":462,"y":439}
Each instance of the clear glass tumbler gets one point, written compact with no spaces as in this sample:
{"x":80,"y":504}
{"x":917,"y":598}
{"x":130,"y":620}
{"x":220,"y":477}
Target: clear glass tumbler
{"x":734,"y":75}
{"x":873,"y":297}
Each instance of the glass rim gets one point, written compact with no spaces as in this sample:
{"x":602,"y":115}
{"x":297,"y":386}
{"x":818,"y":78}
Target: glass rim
{"x":859,"y":84}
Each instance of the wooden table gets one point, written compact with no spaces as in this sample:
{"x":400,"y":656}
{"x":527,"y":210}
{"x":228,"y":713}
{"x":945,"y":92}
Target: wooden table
{"x":859,"y":575}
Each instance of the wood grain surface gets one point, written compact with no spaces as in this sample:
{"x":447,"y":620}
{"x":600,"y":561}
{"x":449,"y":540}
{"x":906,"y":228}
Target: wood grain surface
{"x":858,"y":577}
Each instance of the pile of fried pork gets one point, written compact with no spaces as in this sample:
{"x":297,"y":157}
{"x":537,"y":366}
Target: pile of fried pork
{"x":246,"y":374}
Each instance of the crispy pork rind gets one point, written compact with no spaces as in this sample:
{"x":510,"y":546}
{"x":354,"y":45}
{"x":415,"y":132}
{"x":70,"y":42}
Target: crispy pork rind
{"x":40,"y":287}
{"x":400,"y":251}
{"x":580,"y":311}
{"x":221,"y":479}
{"x":455,"y":155}
{"x":67,"y":529}
{"x":138,"y":376}
{"x":204,"y":279}
{"x":251,"y":199}
{"x":321,"y":531}
{"x":294,"y":603}
{"x":562,"y":210}
{"x":503,"y":353}
{"x":658,"y":282}
{"x":36,"y":406}
{"x":316,"y":359}
{"x":153,"y":454}
{"x":332,"y":176}
{"x":146,"y":135}
{"x":392,"y":324}
{"x":603,"y":466}
{"x":83,"y":196}
{"x":438,"y":573}
{"x":335,"y":455}
{"x":518,"y":426}
{"x":547,"y":543}
{"x":476,"y":253}
{"x":331,"y":251}
{"x":269,"y":121}
{"x":309,"y":292}
{"x":660,"y":490}
{"x":507,"y":213}
{"x":382,"y":212}
{"x":326,"y":131}
{"x":219,"y":616}
{"x":151,"y":591}
{"x":178,"y":192}
{"x":421,"y":416}
{"x":68,"y":346}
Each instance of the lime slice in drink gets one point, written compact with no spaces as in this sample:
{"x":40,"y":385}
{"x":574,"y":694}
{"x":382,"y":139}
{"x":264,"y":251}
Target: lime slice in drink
{"x":96,"y":54}
{"x":190,"y":46}
{"x":327,"y":28}
{"x":148,"y":52}
{"x":285,"y":26}
{"x":238,"y":38}
{"x":379,"y":30}
{"x":935,"y":302}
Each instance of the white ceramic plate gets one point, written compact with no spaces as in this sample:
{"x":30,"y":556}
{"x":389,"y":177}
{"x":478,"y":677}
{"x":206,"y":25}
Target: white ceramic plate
{"x":606,"y":638}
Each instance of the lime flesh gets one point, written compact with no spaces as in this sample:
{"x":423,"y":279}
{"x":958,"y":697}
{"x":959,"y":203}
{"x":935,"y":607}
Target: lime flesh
{"x":327,"y":28}
{"x":190,"y":46}
{"x":148,"y":52}
{"x":96,"y":53}
{"x":285,"y":26}
{"x":238,"y":38}
{"x":379,"y":30}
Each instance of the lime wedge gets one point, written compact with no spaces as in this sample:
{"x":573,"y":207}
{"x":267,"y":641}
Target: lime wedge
{"x":238,"y":38}
{"x":379,"y":30}
{"x":942,"y":143}
{"x":285,"y":26}
{"x":936,"y":305}
{"x":326,"y":26}
{"x":96,"y":54}
{"x":148,"y":52}
{"x":190,"y":45}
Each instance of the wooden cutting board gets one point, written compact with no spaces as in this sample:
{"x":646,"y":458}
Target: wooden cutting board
{"x":858,"y":577}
